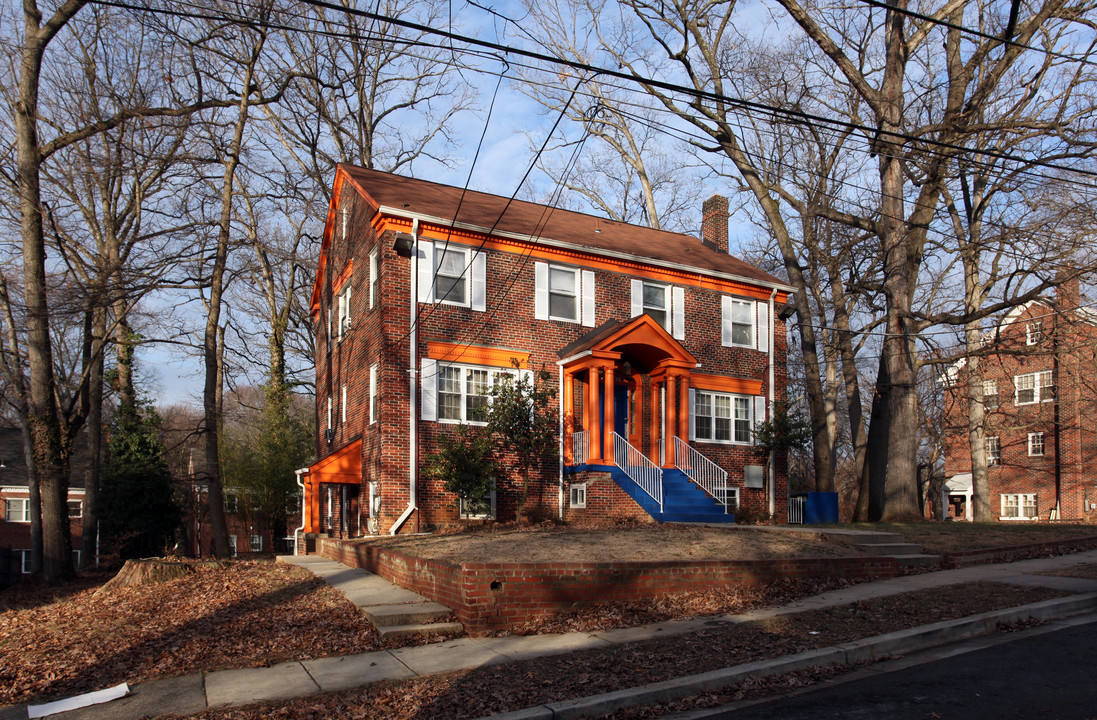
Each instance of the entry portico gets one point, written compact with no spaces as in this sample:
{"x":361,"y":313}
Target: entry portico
{"x":611,"y":363}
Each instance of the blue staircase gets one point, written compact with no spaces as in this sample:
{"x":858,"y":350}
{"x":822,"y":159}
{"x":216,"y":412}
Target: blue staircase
{"x":683,"y":501}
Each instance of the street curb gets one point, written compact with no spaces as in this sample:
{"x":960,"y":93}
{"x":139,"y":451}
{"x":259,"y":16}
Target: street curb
{"x":868,"y":649}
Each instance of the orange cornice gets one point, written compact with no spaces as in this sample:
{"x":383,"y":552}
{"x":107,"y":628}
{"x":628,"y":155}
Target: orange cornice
{"x":476,"y":354}
{"x":576,"y":257}
{"x":721,"y":383}
{"x":344,"y":275}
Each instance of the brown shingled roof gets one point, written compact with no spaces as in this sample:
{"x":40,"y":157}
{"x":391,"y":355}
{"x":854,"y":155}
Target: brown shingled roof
{"x":524,"y":218}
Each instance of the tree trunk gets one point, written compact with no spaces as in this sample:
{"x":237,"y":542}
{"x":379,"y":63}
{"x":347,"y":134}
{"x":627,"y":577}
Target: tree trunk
{"x":90,"y":523}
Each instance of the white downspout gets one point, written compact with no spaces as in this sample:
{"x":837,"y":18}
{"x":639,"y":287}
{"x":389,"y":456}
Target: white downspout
{"x":413,"y":381}
{"x":772,"y":459}
{"x":304,"y":508}
{"x":560,"y":471}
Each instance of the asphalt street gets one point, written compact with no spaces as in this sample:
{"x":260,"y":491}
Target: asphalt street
{"x":1049,"y":675}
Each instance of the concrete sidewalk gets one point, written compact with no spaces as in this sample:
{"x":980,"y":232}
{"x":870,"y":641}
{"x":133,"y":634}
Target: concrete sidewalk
{"x":191,"y":694}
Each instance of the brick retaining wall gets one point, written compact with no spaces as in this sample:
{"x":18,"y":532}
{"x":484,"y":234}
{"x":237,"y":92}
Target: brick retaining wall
{"x":496,"y":596}
{"x":1010,"y":553}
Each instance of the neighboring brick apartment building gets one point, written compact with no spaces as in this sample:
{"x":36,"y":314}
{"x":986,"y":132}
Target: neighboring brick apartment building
{"x":15,"y":500}
{"x":651,"y":337}
{"x":1040,"y":394}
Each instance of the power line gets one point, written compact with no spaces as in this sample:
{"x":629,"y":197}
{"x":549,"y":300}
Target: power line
{"x":774,"y":111}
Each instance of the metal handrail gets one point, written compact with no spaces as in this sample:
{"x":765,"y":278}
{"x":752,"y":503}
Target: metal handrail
{"x":796,"y":505}
{"x":709,"y":476}
{"x":580,"y":447}
{"x":637,"y":466}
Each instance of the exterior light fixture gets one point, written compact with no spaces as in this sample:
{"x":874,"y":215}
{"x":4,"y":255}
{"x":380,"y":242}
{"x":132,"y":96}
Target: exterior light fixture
{"x":403,"y":244}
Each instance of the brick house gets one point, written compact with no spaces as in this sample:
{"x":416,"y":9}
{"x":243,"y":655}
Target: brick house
{"x":1039,"y":393}
{"x":15,"y":501}
{"x":665,"y":351}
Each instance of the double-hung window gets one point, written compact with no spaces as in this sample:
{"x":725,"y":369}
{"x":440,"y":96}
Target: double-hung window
{"x":374,"y":274}
{"x":1035,"y":444}
{"x":718,"y":417}
{"x":451,"y":275}
{"x":76,"y":509}
{"x":656,"y":303}
{"x":342,"y":304}
{"x":994,"y":450}
{"x":1034,"y":387}
{"x":464,"y":391}
{"x":563,"y":292}
{"x":1019,"y":506}
{"x":256,"y":543}
{"x":742,"y":322}
{"x":17,"y":510}
{"x":1033,"y":332}
{"x":373,"y":393}
{"x":990,"y":394}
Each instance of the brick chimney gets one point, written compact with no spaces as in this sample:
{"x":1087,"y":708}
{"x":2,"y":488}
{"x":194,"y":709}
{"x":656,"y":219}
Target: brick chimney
{"x":1068,"y":294}
{"x":714,"y":223}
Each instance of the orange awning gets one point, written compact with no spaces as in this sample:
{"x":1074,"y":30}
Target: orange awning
{"x":342,"y":466}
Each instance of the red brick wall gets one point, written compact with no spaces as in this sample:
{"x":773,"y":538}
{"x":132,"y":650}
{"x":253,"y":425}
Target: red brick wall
{"x":1067,"y":344}
{"x":606,"y":501}
{"x":488,"y":597}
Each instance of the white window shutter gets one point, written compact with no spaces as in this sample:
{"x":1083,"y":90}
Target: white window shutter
{"x":350,"y":290}
{"x":540,"y":290}
{"x":759,"y":415}
{"x":425,"y":260}
{"x":588,"y":298}
{"x":637,"y":298}
{"x":763,"y":326}
{"x":692,"y":414}
{"x":678,"y":313}
{"x":479,"y":282}
{"x":428,"y":389}
{"x":373,"y":393}
{"x":726,"y":311}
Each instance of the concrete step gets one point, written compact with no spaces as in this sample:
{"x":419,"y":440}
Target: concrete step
{"x":874,"y":538}
{"x":420,"y":629}
{"x":891,"y":548}
{"x":402,"y":614}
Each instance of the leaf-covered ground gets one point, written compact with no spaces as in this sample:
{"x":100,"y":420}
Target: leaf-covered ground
{"x":513,"y":686}
{"x":243,"y":615}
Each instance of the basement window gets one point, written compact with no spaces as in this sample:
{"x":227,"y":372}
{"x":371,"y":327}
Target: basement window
{"x":579,"y":496}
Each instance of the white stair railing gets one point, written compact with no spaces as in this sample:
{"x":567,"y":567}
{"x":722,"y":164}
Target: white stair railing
{"x":709,"y":476}
{"x":636,"y":465}
{"x":580,"y":447}
{"x":796,"y":509}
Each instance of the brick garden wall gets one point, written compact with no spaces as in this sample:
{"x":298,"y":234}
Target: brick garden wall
{"x":488,"y":597}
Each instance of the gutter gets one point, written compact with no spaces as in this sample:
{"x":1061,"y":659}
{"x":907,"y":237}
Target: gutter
{"x":413,"y":384}
{"x":772,"y":395}
{"x":304,"y":506}
{"x":560,"y":453}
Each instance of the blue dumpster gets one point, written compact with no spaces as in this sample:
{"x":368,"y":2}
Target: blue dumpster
{"x":821,"y":508}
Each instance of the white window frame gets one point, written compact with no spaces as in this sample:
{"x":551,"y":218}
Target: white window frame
{"x":1037,"y":382}
{"x":331,"y":416}
{"x":373,"y":278}
{"x":644,"y":307}
{"x":373,"y":393}
{"x":79,"y":509}
{"x":19,"y":516}
{"x":1019,"y":506}
{"x":464,"y":278}
{"x":1033,"y":332}
{"x":463,"y":375}
{"x":749,"y":307}
{"x":990,"y":390}
{"x":729,"y":494}
{"x":994,"y":450}
{"x":232,"y":545}
{"x":252,"y":543}
{"x":343,"y":405}
{"x":24,"y":560}
{"x":577,"y":498}
{"x":576,"y":293}
{"x":735,"y":403}
{"x":490,"y":497}
{"x":1036,"y":444}
{"x":343,"y":302}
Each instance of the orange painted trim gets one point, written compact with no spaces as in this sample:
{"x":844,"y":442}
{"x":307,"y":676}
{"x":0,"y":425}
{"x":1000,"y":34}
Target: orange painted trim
{"x":476,"y":354}
{"x":590,"y":260}
{"x":344,"y":275}
{"x":721,"y":383}
{"x":342,"y":466}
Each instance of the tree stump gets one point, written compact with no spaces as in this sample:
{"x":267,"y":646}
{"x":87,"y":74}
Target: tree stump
{"x":147,"y":572}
